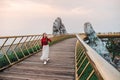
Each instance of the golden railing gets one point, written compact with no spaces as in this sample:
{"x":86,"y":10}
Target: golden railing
{"x":104,"y":35}
{"x":108,"y":35}
{"x":16,"y":48}
{"x":89,"y":65}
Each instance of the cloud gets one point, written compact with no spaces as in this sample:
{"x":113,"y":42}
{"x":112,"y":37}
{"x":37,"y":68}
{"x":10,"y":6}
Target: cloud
{"x":25,"y":8}
{"x":29,"y":8}
{"x":81,"y":11}
{"x":19,"y":15}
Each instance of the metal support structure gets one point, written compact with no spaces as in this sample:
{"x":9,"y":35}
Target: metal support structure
{"x":24,"y":44}
{"x":30,"y":43}
{"x":4,"y":43}
{"x":17,"y":47}
{"x":91,"y":60}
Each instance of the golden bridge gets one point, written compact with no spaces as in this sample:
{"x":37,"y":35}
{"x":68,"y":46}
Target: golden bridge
{"x":70,"y":59}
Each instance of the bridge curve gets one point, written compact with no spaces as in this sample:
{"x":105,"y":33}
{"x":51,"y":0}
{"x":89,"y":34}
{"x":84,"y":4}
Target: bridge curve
{"x":60,"y":67}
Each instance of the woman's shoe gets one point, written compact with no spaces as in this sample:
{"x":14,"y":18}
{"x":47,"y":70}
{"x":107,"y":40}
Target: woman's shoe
{"x":45,"y":62}
{"x":48,"y":59}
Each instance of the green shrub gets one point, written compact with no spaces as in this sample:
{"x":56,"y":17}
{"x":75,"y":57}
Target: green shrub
{"x":12,"y":57}
{"x":3,"y":61}
{"x":88,"y":69}
{"x":19,"y":54}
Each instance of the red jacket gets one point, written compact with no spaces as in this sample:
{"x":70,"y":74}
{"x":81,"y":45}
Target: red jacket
{"x":44,"y":41}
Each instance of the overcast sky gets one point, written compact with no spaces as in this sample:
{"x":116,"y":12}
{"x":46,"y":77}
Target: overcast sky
{"x":20,"y":17}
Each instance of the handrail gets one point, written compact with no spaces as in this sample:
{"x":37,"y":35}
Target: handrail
{"x":109,"y":35}
{"x":2,"y":37}
{"x":104,"y":35}
{"x":102,"y":69}
{"x":19,"y":48}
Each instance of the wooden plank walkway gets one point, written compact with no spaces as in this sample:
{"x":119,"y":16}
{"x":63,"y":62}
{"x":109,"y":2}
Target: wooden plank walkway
{"x":60,"y":66}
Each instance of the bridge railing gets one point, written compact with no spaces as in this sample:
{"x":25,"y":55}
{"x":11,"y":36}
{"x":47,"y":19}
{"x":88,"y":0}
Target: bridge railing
{"x":89,"y":65}
{"x":16,"y":48}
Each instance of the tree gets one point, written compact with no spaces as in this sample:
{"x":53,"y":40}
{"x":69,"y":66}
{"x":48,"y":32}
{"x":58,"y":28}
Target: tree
{"x":113,"y":45}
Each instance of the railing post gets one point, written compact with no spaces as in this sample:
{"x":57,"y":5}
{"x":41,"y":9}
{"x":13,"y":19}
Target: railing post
{"x":14,"y":50}
{"x":97,"y":67}
{"x":3,"y":43}
{"x":20,"y":47}
{"x":29,"y":42}
{"x":5,"y":52}
{"x":38,"y":41}
{"x":33,"y":42}
{"x":24,"y":43}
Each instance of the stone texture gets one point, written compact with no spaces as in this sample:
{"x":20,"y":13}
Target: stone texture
{"x":58,"y":27}
{"x":95,"y":42}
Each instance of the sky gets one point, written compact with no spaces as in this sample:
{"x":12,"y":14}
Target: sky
{"x":24,"y":17}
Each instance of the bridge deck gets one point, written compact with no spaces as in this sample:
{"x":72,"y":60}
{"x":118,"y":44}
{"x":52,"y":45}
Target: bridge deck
{"x":60,"y":66}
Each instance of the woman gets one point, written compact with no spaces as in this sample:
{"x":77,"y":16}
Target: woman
{"x":45,"y":48}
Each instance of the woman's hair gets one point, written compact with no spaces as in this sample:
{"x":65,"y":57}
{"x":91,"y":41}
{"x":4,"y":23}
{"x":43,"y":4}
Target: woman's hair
{"x":44,"y":34}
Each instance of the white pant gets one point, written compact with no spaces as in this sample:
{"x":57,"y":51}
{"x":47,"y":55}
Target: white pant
{"x":45,"y":52}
